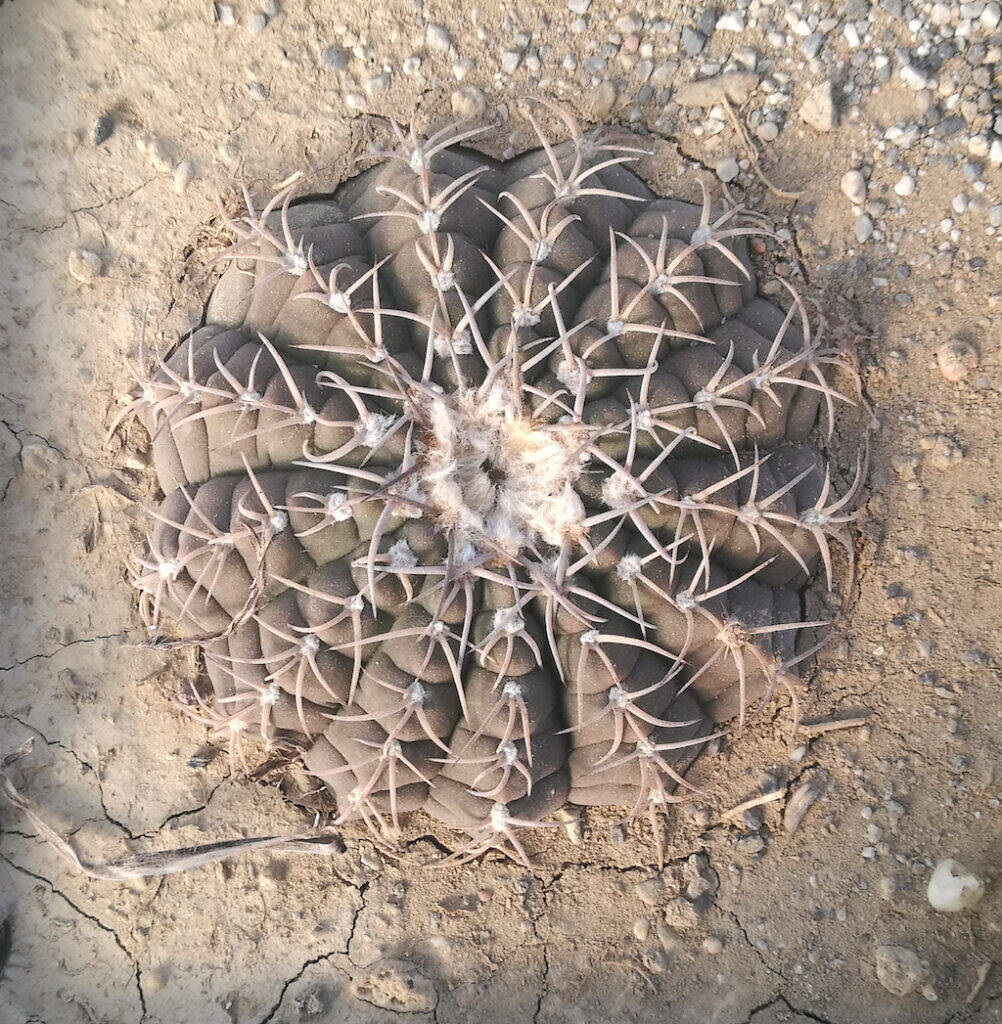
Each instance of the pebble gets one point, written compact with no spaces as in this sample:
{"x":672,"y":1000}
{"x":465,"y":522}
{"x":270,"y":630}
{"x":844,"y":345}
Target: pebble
{"x":578,"y":6}
{"x":257,"y":23}
{"x":603,"y":99}
{"x":681,"y":914}
{"x":853,"y":186}
{"x":899,"y":970}
{"x":953,"y":888}
{"x":184,"y":174}
{"x":956,"y":360}
{"x":863,"y":228}
{"x":410,"y":65}
{"x":510,"y":60}
{"x":626,"y":24}
{"x":224,"y":15}
{"x":819,"y":109}
{"x":468,"y":103}
{"x":334,"y":58}
{"x":354,"y":101}
{"x":641,"y":929}
{"x":712,"y":945}
{"x":85,"y":264}
{"x":905,"y":186}
{"x":727,"y":169}
{"x":437,"y":37}
{"x":914,"y":77}
{"x":377,"y":84}
{"x":995,"y":216}
{"x":811,"y":46}
{"x":768,"y":131}
{"x":692,"y":41}
{"x":735,"y":86}
{"x":102,"y":129}
{"x":733,"y":21}
{"x":650,"y":891}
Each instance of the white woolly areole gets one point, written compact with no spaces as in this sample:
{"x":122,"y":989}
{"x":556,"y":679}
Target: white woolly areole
{"x":494,"y":477}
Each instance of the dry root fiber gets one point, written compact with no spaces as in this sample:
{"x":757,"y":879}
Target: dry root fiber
{"x":489,"y":485}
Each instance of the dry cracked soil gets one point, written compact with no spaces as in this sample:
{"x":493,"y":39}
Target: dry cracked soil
{"x":746,"y":922}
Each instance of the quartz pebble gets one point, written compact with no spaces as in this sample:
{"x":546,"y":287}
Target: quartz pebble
{"x":953,"y":888}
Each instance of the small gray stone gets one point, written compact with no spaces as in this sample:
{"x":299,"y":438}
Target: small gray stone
{"x":995,"y":216}
{"x":594,"y":64}
{"x":468,"y":103}
{"x":102,"y":130}
{"x":510,"y":60}
{"x":410,"y":65}
{"x":707,"y":21}
{"x":819,"y":109}
{"x":257,"y":23}
{"x":225,"y":15}
{"x":811,"y":46}
{"x":692,"y":41}
{"x":863,"y":228}
{"x":949,"y":126}
{"x":768,"y":131}
{"x":578,"y":6}
{"x":437,"y":38}
{"x":727,"y":169}
{"x":334,"y":58}
{"x":603,"y":99}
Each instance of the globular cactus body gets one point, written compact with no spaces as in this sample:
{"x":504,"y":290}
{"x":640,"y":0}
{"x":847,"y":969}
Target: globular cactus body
{"x":488,"y":486}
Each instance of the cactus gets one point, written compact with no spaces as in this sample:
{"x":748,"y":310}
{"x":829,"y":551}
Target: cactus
{"x":489,"y":486}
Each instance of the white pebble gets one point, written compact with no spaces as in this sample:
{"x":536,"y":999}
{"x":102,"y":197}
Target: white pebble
{"x":853,"y":186}
{"x":905,"y":186}
{"x":437,"y":37}
{"x":953,"y":888}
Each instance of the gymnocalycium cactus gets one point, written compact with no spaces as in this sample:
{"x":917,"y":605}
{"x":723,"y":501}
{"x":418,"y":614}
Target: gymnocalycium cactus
{"x":488,"y":485}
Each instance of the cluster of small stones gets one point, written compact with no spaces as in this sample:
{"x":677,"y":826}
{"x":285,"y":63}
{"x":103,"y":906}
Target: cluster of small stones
{"x":489,"y":486}
{"x":796,"y":68}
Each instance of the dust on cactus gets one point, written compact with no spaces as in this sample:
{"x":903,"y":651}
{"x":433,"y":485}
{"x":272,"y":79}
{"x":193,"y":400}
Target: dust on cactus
{"x":489,"y":486}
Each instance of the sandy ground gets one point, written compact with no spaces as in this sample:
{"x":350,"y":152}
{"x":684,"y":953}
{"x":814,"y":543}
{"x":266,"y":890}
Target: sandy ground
{"x":771,"y":927}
